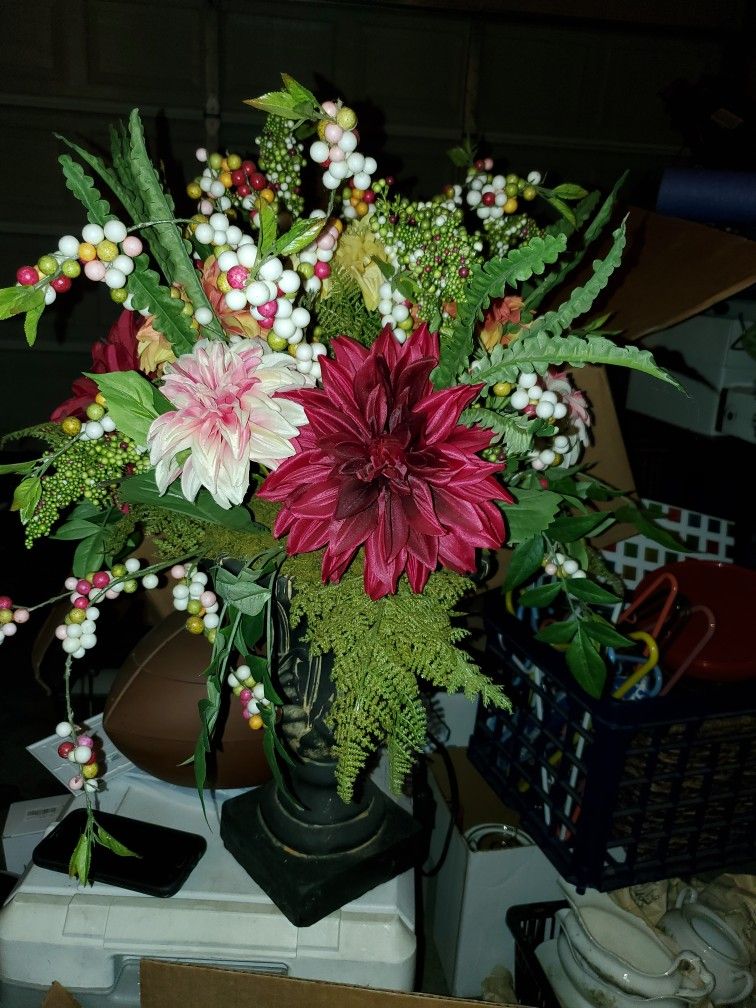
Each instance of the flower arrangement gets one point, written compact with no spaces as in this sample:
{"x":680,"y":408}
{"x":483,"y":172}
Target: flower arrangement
{"x":365,"y":399}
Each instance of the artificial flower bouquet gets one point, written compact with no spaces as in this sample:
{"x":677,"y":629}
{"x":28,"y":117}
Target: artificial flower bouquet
{"x":365,"y":398}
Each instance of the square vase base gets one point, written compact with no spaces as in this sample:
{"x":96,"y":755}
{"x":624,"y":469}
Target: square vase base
{"x":306,"y":888}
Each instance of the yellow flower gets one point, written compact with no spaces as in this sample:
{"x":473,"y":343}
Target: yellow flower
{"x":354,"y":254}
{"x":153,"y":348}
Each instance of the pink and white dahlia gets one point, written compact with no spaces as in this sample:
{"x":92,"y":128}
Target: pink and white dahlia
{"x":227,"y":415}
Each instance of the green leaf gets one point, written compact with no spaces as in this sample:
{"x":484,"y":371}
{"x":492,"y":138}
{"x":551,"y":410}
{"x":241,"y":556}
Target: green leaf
{"x":585,"y":664}
{"x":81,"y":859}
{"x":107,"y":840}
{"x":532,"y":512}
{"x":242,"y":591}
{"x":83,"y":188}
{"x":644,"y":522}
{"x":15,"y":300}
{"x":277,"y":103}
{"x":458,"y":156}
{"x":302,"y":234}
{"x":558,"y":633}
{"x":386,"y":269}
{"x":603,"y":632}
{"x":589,"y":591}
{"x":249,"y":633}
{"x":562,"y":209}
{"x":26,"y":497}
{"x":146,"y":292}
{"x":490,"y":281}
{"x":569,"y":191}
{"x":88,"y":555}
{"x":18,"y":467}
{"x":77,"y":528}
{"x":133,"y":402}
{"x":33,"y":315}
{"x":299,"y":92}
{"x":267,"y":221}
{"x":541,"y":595}
{"x":141,"y":489}
{"x":568,"y":529}
{"x":526,"y":560}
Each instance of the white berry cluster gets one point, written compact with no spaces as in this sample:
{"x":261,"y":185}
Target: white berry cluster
{"x":336,"y":149}
{"x":394,"y":311}
{"x":107,"y":252}
{"x":250,"y":693}
{"x":559,"y":565}
{"x":211,"y":185}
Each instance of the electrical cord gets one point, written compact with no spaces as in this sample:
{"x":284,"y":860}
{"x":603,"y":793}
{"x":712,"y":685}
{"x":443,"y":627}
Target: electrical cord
{"x":454,"y":805}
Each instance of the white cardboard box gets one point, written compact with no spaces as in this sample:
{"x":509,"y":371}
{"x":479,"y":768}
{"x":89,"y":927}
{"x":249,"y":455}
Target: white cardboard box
{"x":469,"y":898}
{"x":710,"y":345}
{"x":25,"y":825}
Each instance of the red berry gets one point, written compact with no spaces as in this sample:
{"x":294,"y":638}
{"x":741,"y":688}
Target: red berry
{"x":368,"y":196}
{"x":248,"y":167}
{"x":463,"y":271}
{"x":27,"y":275}
{"x":81,"y":602}
{"x":488,"y":199}
{"x":101,"y":579}
{"x":265,"y":323}
{"x":5,"y":602}
{"x":322,"y":270}
{"x":257,"y":181}
{"x":83,"y":587}
{"x":389,"y":180}
{"x":480,"y":165}
{"x":61,"y":284}
{"x":65,"y":748}
{"x":238,"y":177}
{"x":243,"y":190}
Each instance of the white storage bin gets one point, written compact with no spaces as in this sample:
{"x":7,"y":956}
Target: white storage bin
{"x":91,"y":940}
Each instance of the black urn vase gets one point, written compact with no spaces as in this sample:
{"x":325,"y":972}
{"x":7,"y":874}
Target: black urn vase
{"x":307,"y":849}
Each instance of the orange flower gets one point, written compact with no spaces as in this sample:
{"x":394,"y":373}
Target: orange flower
{"x":501,"y":312}
{"x":235,"y":323}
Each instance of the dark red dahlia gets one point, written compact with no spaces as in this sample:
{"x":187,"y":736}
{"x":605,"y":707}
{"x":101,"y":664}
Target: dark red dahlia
{"x":118,"y":352}
{"x":384,"y":463}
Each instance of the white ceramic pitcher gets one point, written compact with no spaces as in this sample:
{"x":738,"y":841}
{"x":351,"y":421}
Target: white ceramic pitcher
{"x":700,"y":929}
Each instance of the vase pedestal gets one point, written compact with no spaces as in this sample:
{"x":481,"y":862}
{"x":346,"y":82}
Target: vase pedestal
{"x":312,"y":860}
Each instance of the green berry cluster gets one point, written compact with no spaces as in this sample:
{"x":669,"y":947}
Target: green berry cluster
{"x":87,"y":471}
{"x":509,"y":232}
{"x":281,"y":157}
{"x":428,"y":241}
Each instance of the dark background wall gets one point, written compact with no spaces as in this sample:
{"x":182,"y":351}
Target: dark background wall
{"x":575,"y":88}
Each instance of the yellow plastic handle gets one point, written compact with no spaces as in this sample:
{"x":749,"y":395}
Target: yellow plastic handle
{"x":651,"y":662}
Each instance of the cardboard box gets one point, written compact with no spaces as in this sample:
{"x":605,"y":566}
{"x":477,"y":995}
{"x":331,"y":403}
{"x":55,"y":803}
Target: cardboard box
{"x":167,"y":985}
{"x":25,"y":825}
{"x":172,"y":985}
{"x":469,"y":898}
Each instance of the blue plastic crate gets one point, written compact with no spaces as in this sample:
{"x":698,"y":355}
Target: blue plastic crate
{"x":618,"y":792}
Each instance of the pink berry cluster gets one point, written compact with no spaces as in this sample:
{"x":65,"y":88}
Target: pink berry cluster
{"x":251,"y":695}
{"x":77,"y":631}
{"x":81,"y":750}
{"x":105,"y":253}
{"x":336,"y":150}
{"x":10,"y":617}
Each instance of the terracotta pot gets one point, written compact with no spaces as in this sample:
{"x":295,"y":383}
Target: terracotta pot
{"x":151,"y":713}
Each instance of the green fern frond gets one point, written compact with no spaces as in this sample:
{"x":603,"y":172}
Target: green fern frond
{"x":163,"y":236}
{"x":381,"y":650}
{"x":486,"y":282}
{"x":343,"y":312}
{"x":50,"y":433}
{"x":581,"y":299}
{"x":83,"y":188}
{"x":538,"y":353}
{"x":408,"y":738}
{"x":168,"y":313}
